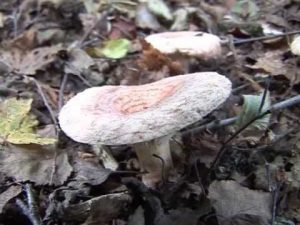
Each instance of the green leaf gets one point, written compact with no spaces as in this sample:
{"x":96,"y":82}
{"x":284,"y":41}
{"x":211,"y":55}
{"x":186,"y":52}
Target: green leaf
{"x":17,"y":125}
{"x":250,"y":110}
{"x":116,"y":49}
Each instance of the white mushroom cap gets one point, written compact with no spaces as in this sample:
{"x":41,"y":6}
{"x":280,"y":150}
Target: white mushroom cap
{"x":114,"y":115}
{"x":295,"y":46}
{"x":200,"y":44}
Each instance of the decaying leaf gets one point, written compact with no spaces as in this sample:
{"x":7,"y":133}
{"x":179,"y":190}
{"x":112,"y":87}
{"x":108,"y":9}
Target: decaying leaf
{"x":272,"y":63}
{"x":78,"y":62}
{"x":116,"y":49}
{"x":91,"y":173}
{"x":291,"y":176}
{"x":245,"y":219}
{"x":17,"y":124}
{"x":99,"y":210}
{"x":8,"y":194}
{"x":180,"y":20}
{"x":230,"y":199}
{"x":160,"y":8}
{"x":28,"y":63}
{"x":145,"y":19}
{"x":36,"y":163}
{"x":250,"y":110}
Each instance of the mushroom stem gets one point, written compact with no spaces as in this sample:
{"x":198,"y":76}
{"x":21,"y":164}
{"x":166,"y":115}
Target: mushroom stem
{"x":157,"y":167}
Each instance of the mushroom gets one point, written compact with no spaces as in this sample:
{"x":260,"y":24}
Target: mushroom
{"x":192,"y":43}
{"x":145,"y":116}
{"x":295,"y":46}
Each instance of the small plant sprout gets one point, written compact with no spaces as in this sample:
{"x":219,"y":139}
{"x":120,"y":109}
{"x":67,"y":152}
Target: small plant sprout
{"x":144,"y":116}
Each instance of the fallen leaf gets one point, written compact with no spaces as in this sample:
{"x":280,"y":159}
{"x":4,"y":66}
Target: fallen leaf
{"x":29,"y":62}
{"x":26,"y":41}
{"x":36,"y":163}
{"x":78,"y":61}
{"x":180,"y":20}
{"x":116,"y":49}
{"x":271,"y":62}
{"x":145,"y":19}
{"x":8,"y":194}
{"x":90,"y":173}
{"x":291,"y":176}
{"x":99,"y":210}
{"x":125,"y":6}
{"x":160,"y":8}
{"x":17,"y":125}
{"x":122,"y":29}
{"x":230,"y":199}
{"x":137,"y":218}
{"x":245,"y":219}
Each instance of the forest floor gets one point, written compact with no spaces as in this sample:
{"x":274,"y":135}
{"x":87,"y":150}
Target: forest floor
{"x":224,"y":173}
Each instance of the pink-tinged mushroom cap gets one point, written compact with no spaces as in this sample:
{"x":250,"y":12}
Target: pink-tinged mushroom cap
{"x":114,"y":115}
{"x":199,"y":44}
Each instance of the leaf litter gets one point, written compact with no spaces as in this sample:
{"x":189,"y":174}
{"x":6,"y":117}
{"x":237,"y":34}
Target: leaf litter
{"x":101,"y":43}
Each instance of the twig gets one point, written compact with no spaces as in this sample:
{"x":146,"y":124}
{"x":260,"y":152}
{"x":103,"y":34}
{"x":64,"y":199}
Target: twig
{"x":243,"y":41}
{"x":51,"y":112}
{"x":87,"y":34}
{"x":260,"y":115}
{"x":229,"y":121}
{"x":263,"y":100}
{"x":61,"y":91}
{"x":241,"y":129}
{"x":275,"y":191}
{"x":199,"y":178}
{"x":30,"y":210}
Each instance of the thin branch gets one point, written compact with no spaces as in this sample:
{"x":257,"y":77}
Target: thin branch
{"x":229,"y":121}
{"x":30,"y":210}
{"x":263,"y":100}
{"x":244,"y":41}
{"x":61,"y":91}
{"x":43,"y":96}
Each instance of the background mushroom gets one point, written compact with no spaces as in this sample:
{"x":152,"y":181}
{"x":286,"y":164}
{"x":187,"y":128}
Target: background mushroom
{"x":187,"y":47}
{"x":143,"y":116}
{"x":199,"y":44}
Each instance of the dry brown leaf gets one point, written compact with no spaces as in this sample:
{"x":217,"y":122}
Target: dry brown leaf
{"x":271,"y":62}
{"x":230,"y":199}
{"x":79,"y":61}
{"x":25,"y":41}
{"x":36,"y":163}
{"x":245,"y":219}
{"x":28,"y":63}
{"x":99,"y":210}
{"x":90,"y":172}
